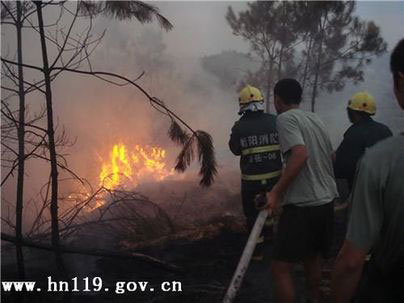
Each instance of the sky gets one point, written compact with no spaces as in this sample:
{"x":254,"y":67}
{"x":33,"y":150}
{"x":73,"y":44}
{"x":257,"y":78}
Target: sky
{"x":388,"y":15}
{"x":200,"y":27}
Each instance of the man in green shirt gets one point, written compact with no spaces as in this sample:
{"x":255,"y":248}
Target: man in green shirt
{"x":306,"y":188}
{"x":377,"y":218}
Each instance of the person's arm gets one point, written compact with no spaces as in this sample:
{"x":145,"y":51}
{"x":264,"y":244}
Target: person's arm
{"x":347,"y":272}
{"x":364,"y":228}
{"x":234,"y":142}
{"x":297,"y":158}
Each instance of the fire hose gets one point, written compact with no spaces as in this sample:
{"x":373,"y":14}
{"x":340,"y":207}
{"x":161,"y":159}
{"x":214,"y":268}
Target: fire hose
{"x":245,"y":257}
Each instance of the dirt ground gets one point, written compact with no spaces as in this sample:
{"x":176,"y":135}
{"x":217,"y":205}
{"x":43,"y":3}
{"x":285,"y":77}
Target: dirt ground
{"x":208,"y":259}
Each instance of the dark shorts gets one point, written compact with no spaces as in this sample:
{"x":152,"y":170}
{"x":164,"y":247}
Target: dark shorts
{"x":304,"y":232}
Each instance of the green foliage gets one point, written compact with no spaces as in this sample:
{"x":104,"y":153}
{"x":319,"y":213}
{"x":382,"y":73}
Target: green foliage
{"x":125,"y":10}
{"x":271,"y":31}
{"x":321,"y":43}
{"x":201,"y":142}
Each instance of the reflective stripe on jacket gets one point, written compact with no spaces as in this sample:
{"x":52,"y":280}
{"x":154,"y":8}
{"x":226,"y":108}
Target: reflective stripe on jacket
{"x":255,"y":139}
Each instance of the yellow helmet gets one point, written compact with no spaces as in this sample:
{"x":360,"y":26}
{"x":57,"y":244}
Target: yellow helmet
{"x":363,"y":102}
{"x":250,"y":94}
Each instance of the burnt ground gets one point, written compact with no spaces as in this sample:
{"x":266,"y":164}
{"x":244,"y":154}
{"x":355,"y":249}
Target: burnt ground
{"x":207,"y":256}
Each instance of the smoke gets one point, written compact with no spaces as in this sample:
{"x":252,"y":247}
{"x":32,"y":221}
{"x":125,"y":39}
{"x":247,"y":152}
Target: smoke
{"x":100,"y":114}
{"x":378,"y":82}
{"x":97,"y":114}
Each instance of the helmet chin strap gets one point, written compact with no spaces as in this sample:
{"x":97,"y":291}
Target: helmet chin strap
{"x":252,"y":107}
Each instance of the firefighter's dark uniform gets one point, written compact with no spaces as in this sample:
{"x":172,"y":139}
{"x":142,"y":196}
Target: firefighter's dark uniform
{"x":255,"y":139}
{"x":357,"y":138}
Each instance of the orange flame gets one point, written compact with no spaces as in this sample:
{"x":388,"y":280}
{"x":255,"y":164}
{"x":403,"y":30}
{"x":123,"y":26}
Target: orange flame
{"x":130,"y":167}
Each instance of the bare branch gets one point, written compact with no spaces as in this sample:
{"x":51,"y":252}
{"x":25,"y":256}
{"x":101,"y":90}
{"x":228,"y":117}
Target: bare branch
{"x":100,"y":253}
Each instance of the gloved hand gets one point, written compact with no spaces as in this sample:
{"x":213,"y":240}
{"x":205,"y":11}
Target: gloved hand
{"x":260,"y":201}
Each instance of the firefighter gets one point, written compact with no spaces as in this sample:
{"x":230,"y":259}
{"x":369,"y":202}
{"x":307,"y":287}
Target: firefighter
{"x":254,"y":138}
{"x":363,"y":133}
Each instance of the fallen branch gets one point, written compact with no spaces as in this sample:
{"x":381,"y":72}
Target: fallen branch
{"x":208,"y":231}
{"x":98,"y":253}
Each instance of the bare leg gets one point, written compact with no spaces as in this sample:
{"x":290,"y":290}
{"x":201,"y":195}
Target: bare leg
{"x":312,"y":269}
{"x":282,"y":277}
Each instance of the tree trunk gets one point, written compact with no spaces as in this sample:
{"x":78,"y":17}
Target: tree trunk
{"x":282,"y":43}
{"x":306,"y":66}
{"x":52,"y":147}
{"x":280,"y":63}
{"x":269,"y":86}
{"x":314,"y":90}
{"x":99,"y":253}
{"x":21,"y":150}
{"x":268,"y":103}
{"x":317,"y":67}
